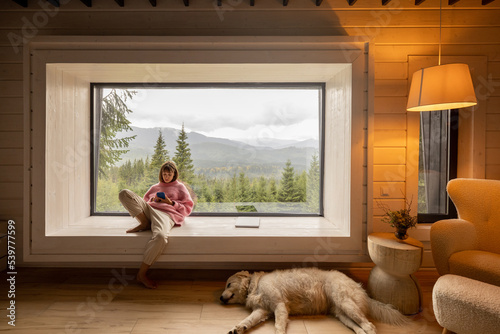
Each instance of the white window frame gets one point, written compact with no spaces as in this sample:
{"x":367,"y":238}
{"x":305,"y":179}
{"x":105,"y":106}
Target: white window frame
{"x":58,"y":225}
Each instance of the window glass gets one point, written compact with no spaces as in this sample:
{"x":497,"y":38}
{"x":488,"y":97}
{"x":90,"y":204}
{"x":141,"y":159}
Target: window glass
{"x":245,"y":149}
{"x":437,"y":163}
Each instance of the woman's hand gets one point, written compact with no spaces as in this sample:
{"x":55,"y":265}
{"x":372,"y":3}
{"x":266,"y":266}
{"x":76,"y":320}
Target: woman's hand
{"x":158,"y":199}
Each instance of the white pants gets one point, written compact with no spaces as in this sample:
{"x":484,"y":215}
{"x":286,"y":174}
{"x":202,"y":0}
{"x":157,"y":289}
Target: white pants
{"x":161,"y":223}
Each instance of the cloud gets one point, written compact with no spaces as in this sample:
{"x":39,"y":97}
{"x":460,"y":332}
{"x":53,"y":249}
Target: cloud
{"x":228,"y":110}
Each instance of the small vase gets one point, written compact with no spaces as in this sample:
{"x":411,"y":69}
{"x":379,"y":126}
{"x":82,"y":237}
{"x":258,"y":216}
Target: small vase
{"x":401,"y":233}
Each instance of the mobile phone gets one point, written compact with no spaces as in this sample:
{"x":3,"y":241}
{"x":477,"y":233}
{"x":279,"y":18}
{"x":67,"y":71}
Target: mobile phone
{"x":160,"y":195}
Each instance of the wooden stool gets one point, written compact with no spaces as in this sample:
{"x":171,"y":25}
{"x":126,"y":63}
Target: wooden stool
{"x":391,"y":281}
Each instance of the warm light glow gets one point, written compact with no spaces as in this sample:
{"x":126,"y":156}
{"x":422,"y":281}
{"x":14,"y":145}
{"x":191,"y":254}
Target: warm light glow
{"x":441,"y":87}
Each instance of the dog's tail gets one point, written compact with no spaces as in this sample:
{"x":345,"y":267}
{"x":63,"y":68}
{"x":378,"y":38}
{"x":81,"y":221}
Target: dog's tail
{"x":386,"y":313}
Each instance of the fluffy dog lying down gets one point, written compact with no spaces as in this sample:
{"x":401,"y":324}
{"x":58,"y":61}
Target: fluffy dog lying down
{"x":305,"y":291}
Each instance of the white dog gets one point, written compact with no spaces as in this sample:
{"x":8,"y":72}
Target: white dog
{"x":305,"y":291}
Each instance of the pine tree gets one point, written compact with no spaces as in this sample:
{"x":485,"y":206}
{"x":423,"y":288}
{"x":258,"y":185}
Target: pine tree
{"x":262,"y":192}
{"x":273,"y":191}
{"x":160,"y":154}
{"x":231,"y":190}
{"x":125,"y":174}
{"x":313,"y":184}
{"x":113,"y":119}
{"x":243,"y":188}
{"x":252,"y":197}
{"x":183,"y":159}
{"x":287,"y":191}
{"x":159,"y":157}
{"x":300,"y":187}
{"x":138,"y":170}
{"x":206,"y":194}
{"x":218,"y":193}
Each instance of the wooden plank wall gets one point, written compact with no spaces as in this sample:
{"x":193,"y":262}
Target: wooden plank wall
{"x":397,"y":30}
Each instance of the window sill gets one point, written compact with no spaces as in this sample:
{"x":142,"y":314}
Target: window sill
{"x":202,"y":242}
{"x":116,"y":226}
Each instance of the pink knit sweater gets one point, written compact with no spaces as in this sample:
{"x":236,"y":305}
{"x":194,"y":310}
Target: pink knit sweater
{"x":177,"y":192}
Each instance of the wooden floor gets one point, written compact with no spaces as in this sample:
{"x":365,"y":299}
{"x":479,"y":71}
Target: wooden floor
{"x":100,"y":301}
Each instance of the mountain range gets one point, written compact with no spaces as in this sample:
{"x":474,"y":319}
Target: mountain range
{"x":212,"y":152}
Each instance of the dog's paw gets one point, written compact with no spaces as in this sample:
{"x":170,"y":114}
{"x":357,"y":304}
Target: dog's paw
{"x":238,"y":329}
{"x":369,"y":328}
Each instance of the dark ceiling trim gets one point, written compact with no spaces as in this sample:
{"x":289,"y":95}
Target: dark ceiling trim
{"x":121,"y":3}
{"x":23,"y":3}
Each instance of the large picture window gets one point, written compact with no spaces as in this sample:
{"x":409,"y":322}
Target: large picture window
{"x":67,"y":75}
{"x":241,"y":149}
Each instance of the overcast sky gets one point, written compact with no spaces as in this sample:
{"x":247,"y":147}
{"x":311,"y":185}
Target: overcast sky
{"x":242,"y":114}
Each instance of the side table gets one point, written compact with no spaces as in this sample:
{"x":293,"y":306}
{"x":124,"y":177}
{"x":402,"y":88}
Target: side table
{"x":391,"y":281}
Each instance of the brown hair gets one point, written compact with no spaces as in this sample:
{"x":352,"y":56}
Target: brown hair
{"x":171,"y":167}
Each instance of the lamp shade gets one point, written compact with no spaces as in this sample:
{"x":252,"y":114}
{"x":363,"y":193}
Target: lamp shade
{"x":441,"y":87}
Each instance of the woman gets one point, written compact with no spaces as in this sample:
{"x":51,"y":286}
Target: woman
{"x":164,"y":206}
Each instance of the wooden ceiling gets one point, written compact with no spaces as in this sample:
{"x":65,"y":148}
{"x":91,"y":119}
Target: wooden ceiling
{"x":121,"y":3}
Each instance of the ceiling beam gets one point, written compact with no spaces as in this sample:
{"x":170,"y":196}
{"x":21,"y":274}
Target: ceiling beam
{"x":23,"y":3}
{"x":121,"y":3}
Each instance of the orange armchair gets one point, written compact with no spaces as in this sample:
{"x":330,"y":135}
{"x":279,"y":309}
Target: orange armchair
{"x":470,"y":245}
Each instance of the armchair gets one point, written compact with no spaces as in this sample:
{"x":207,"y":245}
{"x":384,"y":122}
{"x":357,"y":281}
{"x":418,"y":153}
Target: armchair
{"x":470,"y":245}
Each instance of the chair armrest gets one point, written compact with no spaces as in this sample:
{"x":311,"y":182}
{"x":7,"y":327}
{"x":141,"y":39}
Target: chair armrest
{"x":449,"y":236}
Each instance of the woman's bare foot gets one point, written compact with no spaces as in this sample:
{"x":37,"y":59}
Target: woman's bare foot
{"x":142,"y":278}
{"x":148,"y":283}
{"x":138,"y":228}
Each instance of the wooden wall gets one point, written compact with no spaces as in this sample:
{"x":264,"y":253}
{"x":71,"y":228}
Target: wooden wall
{"x":398,"y":31}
